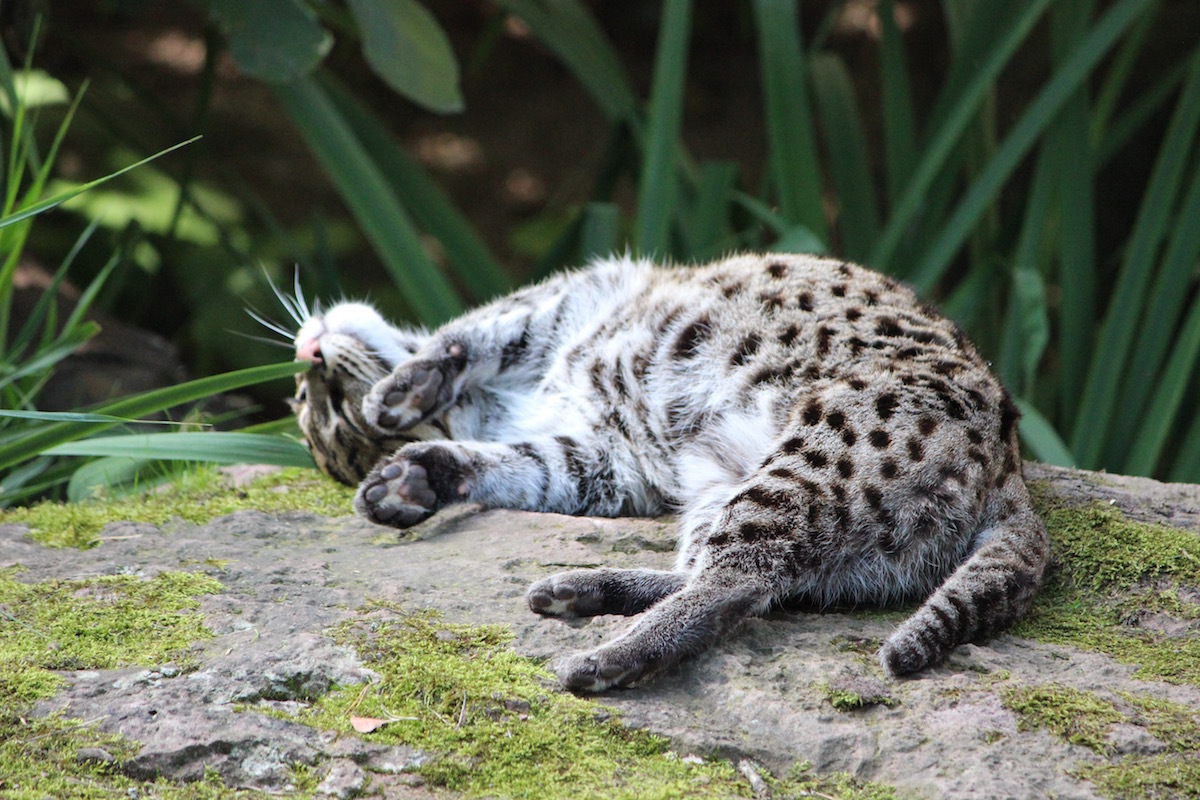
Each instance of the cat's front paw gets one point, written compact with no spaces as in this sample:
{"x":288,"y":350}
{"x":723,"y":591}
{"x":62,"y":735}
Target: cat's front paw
{"x":601,"y":669}
{"x":396,"y":493}
{"x":415,"y":391}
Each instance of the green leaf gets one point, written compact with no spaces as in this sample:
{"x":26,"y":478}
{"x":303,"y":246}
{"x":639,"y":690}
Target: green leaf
{"x":1017,"y":143}
{"x":373,"y":202}
{"x":28,"y":445}
{"x":406,"y":47}
{"x":658,"y":184}
{"x":479,"y":273}
{"x":1117,"y":334}
{"x":35,"y":88}
{"x":847,"y":153}
{"x":899,"y":120}
{"x":790,"y":128}
{"x":273,"y":40}
{"x":217,"y":447}
{"x":600,"y":232}
{"x":1040,"y":437}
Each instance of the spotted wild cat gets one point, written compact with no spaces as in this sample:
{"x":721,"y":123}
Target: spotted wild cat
{"x":821,"y":432}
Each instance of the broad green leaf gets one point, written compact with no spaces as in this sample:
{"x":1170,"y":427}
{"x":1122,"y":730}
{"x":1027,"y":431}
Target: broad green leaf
{"x":899,"y":119}
{"x":35,"y":88}
{"x":406,"y":47}
{"x":478,"y":272}
{"x":272,"y":40}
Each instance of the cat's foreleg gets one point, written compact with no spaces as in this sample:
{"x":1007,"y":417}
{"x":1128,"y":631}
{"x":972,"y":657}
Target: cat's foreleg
{"x":506,"y":343}
{"x":558,"y":474}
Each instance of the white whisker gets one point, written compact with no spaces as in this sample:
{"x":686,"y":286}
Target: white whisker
{"x":271,"y":325}
{"x":263,"y":339}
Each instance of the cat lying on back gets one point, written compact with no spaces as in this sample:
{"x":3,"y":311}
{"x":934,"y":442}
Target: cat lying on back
{"x":822,"y":434}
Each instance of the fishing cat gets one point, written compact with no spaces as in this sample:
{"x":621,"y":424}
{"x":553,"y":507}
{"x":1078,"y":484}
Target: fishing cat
{"x":821,"y":432}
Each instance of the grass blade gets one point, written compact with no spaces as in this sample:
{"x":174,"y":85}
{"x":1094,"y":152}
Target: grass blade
{"x":28,"y":445}
{"x":383,"y":219}
{"x":1170,"y":390}
{"x":948,"y":127}
{"x":216,"y":447}
{"x":848,"y":156}
{"x":470,"y":258}
{"x":1120,"y":323}
{"x":658,"y":184}
{"x":899,"y":120}
{"x":706,"y":223}
{"x":1023,"y":136}
{"x":791,"y":136}
{"x":1040,"y":437}
{"x":601,"y":229}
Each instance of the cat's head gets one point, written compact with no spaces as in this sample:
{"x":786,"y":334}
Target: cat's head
{"x":351,"y":348}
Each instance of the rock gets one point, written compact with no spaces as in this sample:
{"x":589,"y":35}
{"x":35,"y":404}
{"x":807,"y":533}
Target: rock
{"x":760,"y":696}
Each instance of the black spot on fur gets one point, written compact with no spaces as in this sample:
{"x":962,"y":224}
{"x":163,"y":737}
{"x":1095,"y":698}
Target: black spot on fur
{"x":812,"y":412}
{"x":815,"y":458}
{"x":838,"y":290}
{"x":954,"y":409}
{"x":514,"y":351}
{"x":812,"y":372}
{"x":857,"y":384}
{"x":777,"y":270}
{"x":977,"y":455}
{"x":835,"y":420}
{"x":719,"y":539}
{"x":927,"y":424}
{"x":731,"y":289}
{"x":844,"y":270}
{"x":915,"y":451}
{"x":806,"y":301}
{"x":845,"y":467}
{"x":761,"y":496}
{"x":824,"y":333}
{"x":1009,"y":416}
{"x":783,"y":473}
{"x":853,"y":313}
{"x":885,"y":405}
{"x":770,"y":372}
{"x":691,"y":337}
{"x":879,"y":438}
{"x":849,"y":437}
{"x":888,"y":326}
{"x":888,"y":469}
{"x":974,"y":436}
{"x":745,"y":349}
{"x":872,"y":297}
{"x":771,"y":301}
{"x":946,"y":367}
{"x":788,"y":336}
{"x":752,"y":531}
{"x":793,"y":445}
{"x":873,"y":496}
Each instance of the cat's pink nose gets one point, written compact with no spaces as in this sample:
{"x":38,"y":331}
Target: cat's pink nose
{"x":309,"y":351}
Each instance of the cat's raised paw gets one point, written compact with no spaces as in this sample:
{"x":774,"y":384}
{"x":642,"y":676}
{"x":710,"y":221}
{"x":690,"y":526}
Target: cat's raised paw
{"x":413,"y":393}
{"x":397,"y":493}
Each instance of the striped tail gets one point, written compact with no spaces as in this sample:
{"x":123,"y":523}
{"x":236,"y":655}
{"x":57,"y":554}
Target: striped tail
{"x":987,"y":592}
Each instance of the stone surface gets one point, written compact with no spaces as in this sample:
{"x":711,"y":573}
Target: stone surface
{"x":760,"y":695}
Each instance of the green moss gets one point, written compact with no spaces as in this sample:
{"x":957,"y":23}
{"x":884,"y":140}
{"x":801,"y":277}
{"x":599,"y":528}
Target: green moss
{"x":1086,"y":718}
{"x":98,"y":623}
{"x":1109,"y":570}
{"x":196,"y":497}
{"x":494,"y":724}
{"x":1078,"y":717}
{"x":802,"y":783}
{"x":847,"y":700}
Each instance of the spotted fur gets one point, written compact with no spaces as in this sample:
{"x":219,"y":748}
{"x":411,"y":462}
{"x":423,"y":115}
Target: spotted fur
{"x":821,"y":432}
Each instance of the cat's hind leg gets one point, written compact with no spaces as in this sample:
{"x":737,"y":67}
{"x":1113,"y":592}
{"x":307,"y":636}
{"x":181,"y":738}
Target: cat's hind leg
{"x":680,"y":625}
{"x":590,"y":592}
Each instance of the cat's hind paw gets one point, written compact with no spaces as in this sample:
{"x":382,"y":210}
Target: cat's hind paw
{"x":396,"y":493}
{"x":563,"y":595}
{"x":597,"y":671}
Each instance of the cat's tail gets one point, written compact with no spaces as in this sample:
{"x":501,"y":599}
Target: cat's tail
{"x":987,"y":592}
